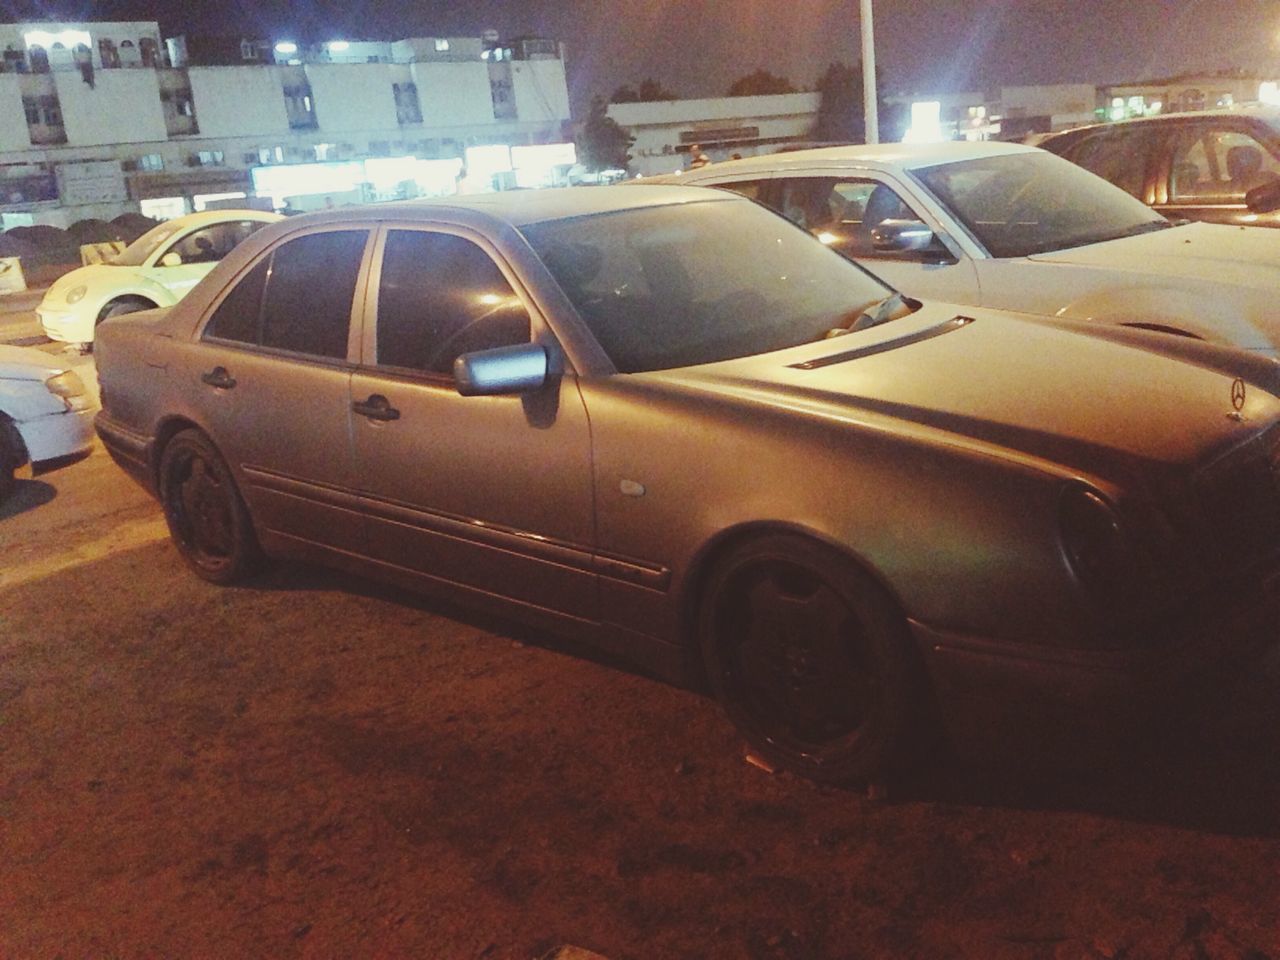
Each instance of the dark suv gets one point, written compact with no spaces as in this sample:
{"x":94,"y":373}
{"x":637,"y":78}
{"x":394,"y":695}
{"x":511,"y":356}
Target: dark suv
{"x":1196,"y":166}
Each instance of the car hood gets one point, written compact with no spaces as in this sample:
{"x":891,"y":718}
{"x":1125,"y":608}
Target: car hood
{"x":94,"y":275}
{"x":24,"y":363}
{"x":1246,"y":256}
{"x":1064,"y":394}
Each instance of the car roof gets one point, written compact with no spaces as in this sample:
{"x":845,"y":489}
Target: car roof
{"x":205,"y":217}
{"x":900,"y":155}
{"x":1267,"y":112}
{"x":520,"y":207}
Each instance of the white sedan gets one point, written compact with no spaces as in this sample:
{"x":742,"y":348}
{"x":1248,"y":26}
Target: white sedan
{"x":45,"y":413}
{"x":156,"y":270}
{"x":1016,"y":228}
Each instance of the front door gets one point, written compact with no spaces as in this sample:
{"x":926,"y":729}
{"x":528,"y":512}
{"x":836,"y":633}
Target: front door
{"x":493,"y":493}
{"x":843,"y":210}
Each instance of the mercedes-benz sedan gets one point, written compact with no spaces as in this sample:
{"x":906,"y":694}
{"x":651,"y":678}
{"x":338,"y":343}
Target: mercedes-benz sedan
{"x":675,"y":425}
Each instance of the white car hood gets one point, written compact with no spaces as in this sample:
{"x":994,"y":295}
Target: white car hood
{"x":24,"y":363}
{"x":82,"y":276}
{"x":1243,"y":256}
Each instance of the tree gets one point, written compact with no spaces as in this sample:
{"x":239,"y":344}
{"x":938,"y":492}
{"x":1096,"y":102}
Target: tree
{"x":760,"y":83}
{"x":602,"y":143}
{"x":841,"y":116}
{"x":649,"y":91}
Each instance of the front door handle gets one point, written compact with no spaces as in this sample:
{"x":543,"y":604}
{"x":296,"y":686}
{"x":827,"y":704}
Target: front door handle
{"x":377,"y":407}
{"x":218,"y":377}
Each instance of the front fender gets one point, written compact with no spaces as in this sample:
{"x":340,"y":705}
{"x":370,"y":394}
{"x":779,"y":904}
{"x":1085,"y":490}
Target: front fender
{"x":1173,"y":310}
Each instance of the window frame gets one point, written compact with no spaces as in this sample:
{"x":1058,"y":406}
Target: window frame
{"x":358,"y":299}
{"x":367,"y":357}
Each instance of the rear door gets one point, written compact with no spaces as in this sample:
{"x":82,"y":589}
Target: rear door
{"x":493,"y":493}
{"x":272,"y":376}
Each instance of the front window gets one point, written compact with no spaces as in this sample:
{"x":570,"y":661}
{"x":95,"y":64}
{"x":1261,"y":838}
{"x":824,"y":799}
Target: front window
{"x":1018,"y":205}
{"x":666,"y":286}
{"x":210,"y":244}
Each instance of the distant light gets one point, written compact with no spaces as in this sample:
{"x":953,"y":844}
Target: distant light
{"x":1269,"y":92}
{"x":827,"y":238}
{"x":335,"y":46}
{"x":286,"y":47}
{"x":926,"y":123}
{"x":441,"y":45}
{"x":68,"y":38}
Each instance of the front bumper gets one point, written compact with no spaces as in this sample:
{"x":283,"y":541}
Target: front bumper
{"x":57,"y":435}
{"x":65,"y":325}
{"x":993,"y":691}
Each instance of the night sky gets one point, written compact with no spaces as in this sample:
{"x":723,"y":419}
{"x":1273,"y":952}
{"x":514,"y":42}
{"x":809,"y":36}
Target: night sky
{"x":698,"y":49}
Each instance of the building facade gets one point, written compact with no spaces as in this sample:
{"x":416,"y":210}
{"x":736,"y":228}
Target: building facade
{"x":665,"y":130}
{"x":97,"y":119}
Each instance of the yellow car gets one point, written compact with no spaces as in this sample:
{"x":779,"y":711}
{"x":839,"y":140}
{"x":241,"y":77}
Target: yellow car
{"x":156,"y":270}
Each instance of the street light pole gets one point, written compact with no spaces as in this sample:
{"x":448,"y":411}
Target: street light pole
{"x":869,"y":109}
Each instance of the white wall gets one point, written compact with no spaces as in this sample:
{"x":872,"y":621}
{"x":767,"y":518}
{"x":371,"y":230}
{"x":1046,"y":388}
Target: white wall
{"x":13,"y":120}
{"x":238,"y":101}
{"x":351,"y":96}
{"x":1043,"y":101}
{"x":540,"y":90}
{"x":453,"y":94}
{"x":123,"y":106}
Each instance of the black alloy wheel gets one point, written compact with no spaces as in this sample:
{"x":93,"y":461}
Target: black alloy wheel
{"x":207,"y":519}
{"x":811,"y":660}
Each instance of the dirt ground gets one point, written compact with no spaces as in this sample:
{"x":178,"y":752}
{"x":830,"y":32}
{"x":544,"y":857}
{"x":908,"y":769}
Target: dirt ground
{"x":314,"y":766}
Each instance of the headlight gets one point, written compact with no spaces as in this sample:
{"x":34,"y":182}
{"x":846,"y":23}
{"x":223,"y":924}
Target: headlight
{"x":1097,"y":547}
{"x":69,"y":388}
{"x":76,"y":294}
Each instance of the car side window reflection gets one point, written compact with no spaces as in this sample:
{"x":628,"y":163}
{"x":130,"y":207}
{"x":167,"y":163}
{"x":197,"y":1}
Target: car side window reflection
{"x":1217,"y":163}
{"x":210,"y":244}
{"x":1119,"y":156}
{"x":298,"y":298}
{"x":842,"y":213}
{"x":440,"y":296}
{"x":237,"y":316}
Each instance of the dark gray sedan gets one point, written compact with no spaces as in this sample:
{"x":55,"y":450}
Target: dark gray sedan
{"x":674,"y":424}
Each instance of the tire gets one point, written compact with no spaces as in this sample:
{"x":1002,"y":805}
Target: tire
{"x":8,"y":467}
{"x":123,"y":305}
{"x":811,"y":660}
{"x":207,"y":518}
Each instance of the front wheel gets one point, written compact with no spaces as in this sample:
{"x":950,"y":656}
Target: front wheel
{"x":811,"y":660}
{"x":207,"y":519}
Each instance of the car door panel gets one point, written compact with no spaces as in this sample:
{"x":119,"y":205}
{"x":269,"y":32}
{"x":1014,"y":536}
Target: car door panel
{"x":493,"y":493}
{"x":272,"y":365}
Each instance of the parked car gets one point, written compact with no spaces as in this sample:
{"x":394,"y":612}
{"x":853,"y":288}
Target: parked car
{"x":1197,"y":166}
{"x":156,"y":270}
{"x":1016,"y":228}
{"x":45,"y":413}
{"x":672,"y":424}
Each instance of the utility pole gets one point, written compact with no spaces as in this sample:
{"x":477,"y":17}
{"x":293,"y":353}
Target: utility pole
{"x":870,"y":113}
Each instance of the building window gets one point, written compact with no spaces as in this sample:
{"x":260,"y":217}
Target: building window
{"x":150,"y":51}
{"x":108,"y":53}
{"x":209,"y":158}
{"x":151,"y":161}
{"x":442,"y":45}
{"x":324,"y":151}
{"x":52,"y":111}
{"x":408,"y":108}
{"x":32,"y":110}
{"x":248,"y":50}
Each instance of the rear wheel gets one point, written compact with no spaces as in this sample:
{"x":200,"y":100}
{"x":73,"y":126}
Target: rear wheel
{"x":811,"y":660}
{"x":207,"y":518}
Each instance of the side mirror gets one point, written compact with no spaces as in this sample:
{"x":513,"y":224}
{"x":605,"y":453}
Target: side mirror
{"x":1264,"y":199}
{"x":171,"y":260}
{"x":909,"y":236}
{"x":521,"y":368}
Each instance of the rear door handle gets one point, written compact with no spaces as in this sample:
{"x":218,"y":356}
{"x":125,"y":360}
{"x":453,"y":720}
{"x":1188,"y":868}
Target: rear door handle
{"x":218,"y":377}
{"x":377,"y":407}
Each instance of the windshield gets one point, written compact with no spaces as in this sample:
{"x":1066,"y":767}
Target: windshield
{"x":1020,"y":204}
{"x":136,"y":253}
{"x":690,"y":283}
